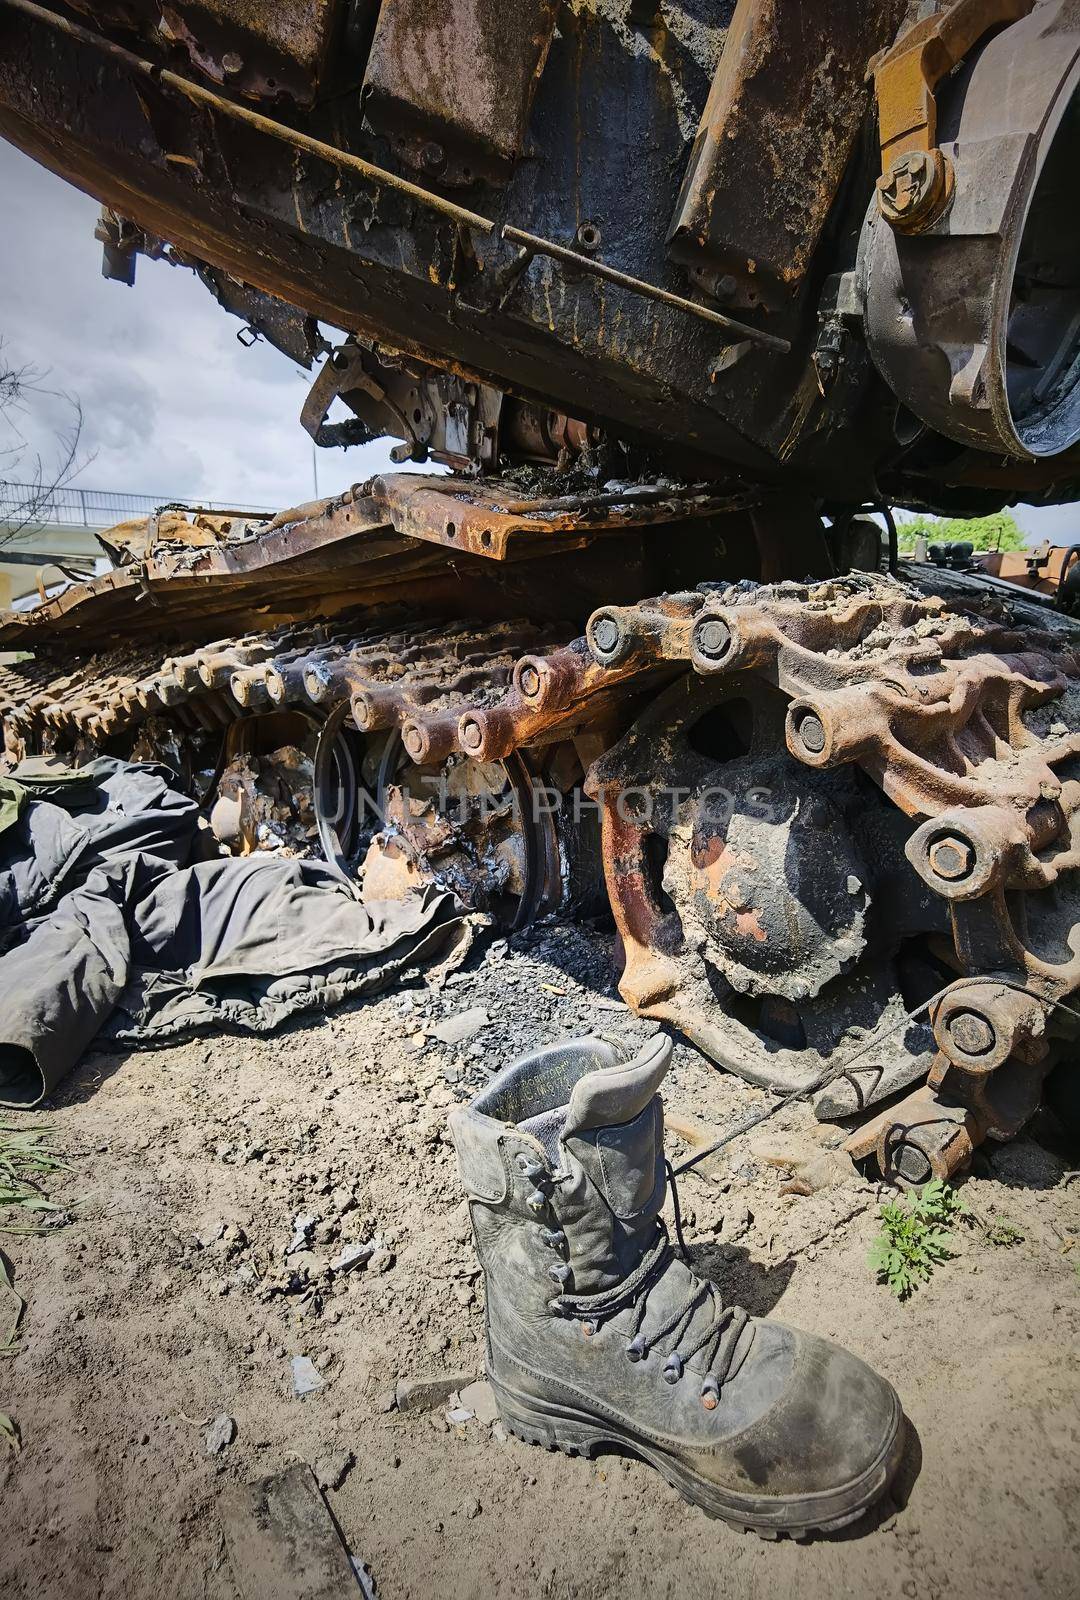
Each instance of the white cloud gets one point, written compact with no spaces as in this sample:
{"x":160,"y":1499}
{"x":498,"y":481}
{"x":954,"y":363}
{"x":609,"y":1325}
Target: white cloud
{"x":173,"y":404}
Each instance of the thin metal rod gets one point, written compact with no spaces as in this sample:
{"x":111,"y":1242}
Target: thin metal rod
{"x":532,"y":243}
{"x":649,"y":291}
{"x":255,"y":119}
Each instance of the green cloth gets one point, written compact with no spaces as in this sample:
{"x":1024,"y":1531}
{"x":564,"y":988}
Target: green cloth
{"x":47,"y":778}
{"x":12,"y":800}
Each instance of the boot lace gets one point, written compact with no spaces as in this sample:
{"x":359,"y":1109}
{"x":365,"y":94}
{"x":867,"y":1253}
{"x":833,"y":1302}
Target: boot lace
{"x":718,"y":1334}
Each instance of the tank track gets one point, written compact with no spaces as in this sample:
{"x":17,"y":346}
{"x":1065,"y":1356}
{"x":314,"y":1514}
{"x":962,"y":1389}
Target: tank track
{"x":871,"y":700}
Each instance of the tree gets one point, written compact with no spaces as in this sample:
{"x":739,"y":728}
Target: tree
{"x":998,"y":531}
{"x":23,"y":503}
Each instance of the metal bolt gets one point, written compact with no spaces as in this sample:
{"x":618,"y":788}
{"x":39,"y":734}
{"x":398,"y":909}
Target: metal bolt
{"x":605,"y":632}
{"x":713,"y":638}
{"x":811,"y":733}
{"x":911,"y":191}
{"x":432,"y":157}
{"x":232,"y":64}
{"x":472,"y":734}
{"x":951,"y":858}
{"x":413,"y":741}
{"x":529,"y":682}
{"x":972,"y":1033}
{"x":911,"y":1165}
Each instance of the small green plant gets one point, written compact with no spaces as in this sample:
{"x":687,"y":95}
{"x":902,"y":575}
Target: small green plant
{"x":9,"y":1434}
{"x":25,"y":1162}
{"x":1003,"y":1234}
{"x":914,"y":1237}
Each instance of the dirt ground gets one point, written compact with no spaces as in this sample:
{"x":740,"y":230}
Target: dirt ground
{"x":169,"y":1301}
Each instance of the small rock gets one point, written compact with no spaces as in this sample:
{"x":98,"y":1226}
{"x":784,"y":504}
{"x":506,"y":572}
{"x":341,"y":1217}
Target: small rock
{"x":220,"y":1435}
{"x":499,"y":1434}
{"x":332,"y":1470}
{"x":461,"y":1025}
{"x":381,"y":1261}
{"x":387,"y":1401}
{"x":306,"y":1379}
{"x":302,"y":1226}
{"x":472,"y":1509}
{"x":479,"y":1398}
{"x":438,"y":1343}
{"x":363,"y":1577}
{"x":459,"y":1415}
{"x":424,"y":1394}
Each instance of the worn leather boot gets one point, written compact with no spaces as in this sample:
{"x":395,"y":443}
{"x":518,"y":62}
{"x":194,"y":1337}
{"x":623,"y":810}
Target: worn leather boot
{"x":599,"y":1334}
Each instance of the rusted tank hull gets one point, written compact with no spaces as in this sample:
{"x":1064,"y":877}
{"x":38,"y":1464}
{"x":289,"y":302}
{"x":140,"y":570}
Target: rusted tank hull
{"x":662,"y":222}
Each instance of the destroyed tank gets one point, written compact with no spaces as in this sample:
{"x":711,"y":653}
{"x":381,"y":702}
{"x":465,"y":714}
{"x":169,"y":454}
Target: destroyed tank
{"x":678,"y":293}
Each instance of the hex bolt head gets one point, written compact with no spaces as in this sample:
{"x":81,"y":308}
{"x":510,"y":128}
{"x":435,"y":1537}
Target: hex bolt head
{"x":432,"y":157}
{"x":951,"y":858}
{"x":232,"y":64}
{"x":472,"y":734}
{"x":712,"y":638}
{"x":810,"y":731}
{"x":912,"y":1165}
{"x":530,"y":682}
{"x":972,"y":1033}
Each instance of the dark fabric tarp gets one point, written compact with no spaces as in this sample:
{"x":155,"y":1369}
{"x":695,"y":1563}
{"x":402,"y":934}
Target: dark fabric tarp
{"x":111,"y":925}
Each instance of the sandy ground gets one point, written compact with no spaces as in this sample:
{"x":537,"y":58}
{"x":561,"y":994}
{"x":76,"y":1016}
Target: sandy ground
{"x":169,"y":1301}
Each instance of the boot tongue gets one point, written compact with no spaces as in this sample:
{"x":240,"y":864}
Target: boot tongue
{"x":617,"y":1094}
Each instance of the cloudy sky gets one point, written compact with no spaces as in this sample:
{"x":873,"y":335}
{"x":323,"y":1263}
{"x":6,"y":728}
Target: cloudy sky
{"x":173,"y":404}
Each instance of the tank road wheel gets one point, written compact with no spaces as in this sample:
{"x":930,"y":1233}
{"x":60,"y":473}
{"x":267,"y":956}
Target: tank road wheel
{"x":486,"y":830}
{"x":764,"y":909}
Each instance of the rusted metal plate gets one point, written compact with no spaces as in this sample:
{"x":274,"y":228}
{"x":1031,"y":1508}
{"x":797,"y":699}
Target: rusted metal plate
{"x":497,"y":520}
{"x":264,"y":51}
{"x":452,"y":85}
{"x":394,"y":536}
{"x":777,"y":131}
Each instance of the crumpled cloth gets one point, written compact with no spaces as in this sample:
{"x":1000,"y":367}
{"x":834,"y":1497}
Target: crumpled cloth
{"x":111,"y":925}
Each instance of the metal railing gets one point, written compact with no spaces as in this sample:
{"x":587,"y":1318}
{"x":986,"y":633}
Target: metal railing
{"x":98,"y":508}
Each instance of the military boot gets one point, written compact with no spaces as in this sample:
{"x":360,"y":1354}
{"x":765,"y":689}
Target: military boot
{"x":599,"y":1334}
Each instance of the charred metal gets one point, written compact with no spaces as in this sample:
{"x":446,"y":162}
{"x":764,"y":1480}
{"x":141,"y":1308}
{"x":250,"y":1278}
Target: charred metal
{"x":678,"y":294}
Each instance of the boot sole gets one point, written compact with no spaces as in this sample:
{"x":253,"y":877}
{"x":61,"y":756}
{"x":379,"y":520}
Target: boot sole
{"x":555,"y":1427}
